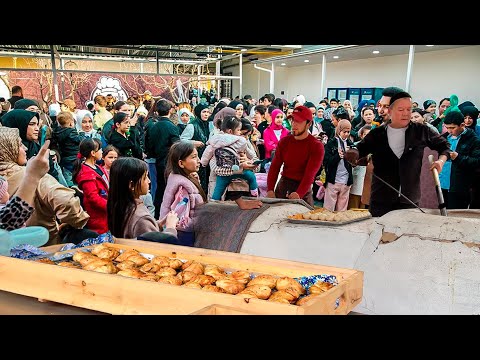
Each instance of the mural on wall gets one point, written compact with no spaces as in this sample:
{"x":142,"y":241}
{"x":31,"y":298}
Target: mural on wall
{"x":107,"y":85}
{"x":82,"y":87}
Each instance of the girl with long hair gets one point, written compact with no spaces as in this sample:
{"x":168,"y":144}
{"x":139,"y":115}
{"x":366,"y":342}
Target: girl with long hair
{"x":128,"y":217}
{"x":183,"y":164}
{"x":93,"y":181}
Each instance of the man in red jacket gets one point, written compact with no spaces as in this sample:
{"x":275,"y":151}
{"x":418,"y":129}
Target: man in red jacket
{"x":301,"y":155}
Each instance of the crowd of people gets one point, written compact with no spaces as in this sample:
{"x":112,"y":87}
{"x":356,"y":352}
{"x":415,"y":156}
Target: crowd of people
{"x":128,"y":166}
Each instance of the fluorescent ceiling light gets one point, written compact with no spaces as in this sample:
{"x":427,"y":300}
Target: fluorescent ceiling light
{"x":243,"y":50}
{"x":288,"y":46}
{"x":429,"y":45}
{"x":336,"y":57}
{"x":283,"y":64}
{"x":375,"y":52}
{"x":306,"y":60}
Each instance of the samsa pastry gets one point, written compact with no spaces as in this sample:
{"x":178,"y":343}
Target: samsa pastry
{"x":173,"y":280}
{"x":267,"y":280}
{"x":186,"y":276}
{"x":97,"y":248}
{"x":80,"y":255}
{"x":241,"y":276}
{"x":258,"y":291}
{"x":149,"y":267}
{"x":126,"y":254}
{"x":193,"y":285}
{"x":204,"y":280}
{"x":138,"y":259}
{"x":127,"y":264}
{"x":161,"y":261}
{"x":215,"y":271}
{"x":320,"y":287}
{"x":69,"y":264}
{"x":101,"y":265}
{"x":195,"y":267}
{"x":166,"y":271}
{"x":131,"y":273}
{"x":230,"y":286}
{"x":186,"y":264}
{"x":305,"y":299}
{"x":213,"y":288}
{"x":175,"y":264}
{"x":281,"y":297}
{"x":150,"y":277}
{"x":108,"y":253}
{"x":287,"y":282}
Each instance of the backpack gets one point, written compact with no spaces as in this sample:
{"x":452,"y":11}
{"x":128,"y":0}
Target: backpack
{"x":226,"y":157}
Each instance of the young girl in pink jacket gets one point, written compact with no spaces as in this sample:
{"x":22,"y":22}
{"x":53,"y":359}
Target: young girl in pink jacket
{"x":274,"y":132}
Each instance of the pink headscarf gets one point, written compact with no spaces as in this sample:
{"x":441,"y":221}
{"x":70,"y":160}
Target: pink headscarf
{"x":274,"y":115}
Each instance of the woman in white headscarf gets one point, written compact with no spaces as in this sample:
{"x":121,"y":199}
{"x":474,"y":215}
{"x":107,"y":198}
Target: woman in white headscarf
{"x":84,"y":124}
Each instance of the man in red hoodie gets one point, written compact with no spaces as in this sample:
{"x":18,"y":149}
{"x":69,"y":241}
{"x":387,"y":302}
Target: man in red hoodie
{"x":301,"y":155}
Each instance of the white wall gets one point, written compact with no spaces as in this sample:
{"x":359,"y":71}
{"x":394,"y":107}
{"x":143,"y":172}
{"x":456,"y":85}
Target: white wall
{"x":435,"y":75}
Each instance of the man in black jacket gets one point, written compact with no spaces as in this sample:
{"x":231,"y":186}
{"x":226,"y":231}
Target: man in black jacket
{"x":458,"y":173}
{"x":159,"y":137}
{"x":397,"y":154}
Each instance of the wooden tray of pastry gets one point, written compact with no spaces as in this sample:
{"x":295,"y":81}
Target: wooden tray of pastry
{"x":323,"y":216}
{"x":115,"y":294}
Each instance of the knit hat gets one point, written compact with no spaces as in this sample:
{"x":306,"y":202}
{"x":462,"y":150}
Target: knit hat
{"x":427,"y":103}
{"x":342,"y":125}
{"x":341,"y":113}
{"x":198,"y":110}
{"x":465,"y":104}
{"x":25,"y":103}
{"x":3,"y":187}
{"x":471,"y":111}
{"x":300,"y":114}
{"x":54,"y":109}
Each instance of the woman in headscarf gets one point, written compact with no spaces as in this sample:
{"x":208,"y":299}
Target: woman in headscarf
{"x":339,"y":176}
{"x":84,"y":124}
{"x":198,"y":131}
{"x":274,"y":132}
{"x":52,"y":200}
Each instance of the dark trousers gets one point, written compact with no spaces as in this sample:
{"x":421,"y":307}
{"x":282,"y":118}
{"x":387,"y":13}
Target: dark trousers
{"x":378,"y":209}
{"x":161,"y":185}
{"x":287,"y":186}
{"x":456,"y":199}
{"x":475,"y":191}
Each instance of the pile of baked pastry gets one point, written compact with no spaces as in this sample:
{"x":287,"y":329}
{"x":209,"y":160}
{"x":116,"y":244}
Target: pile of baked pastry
{"x":334,"y":216}
{"x":131,"y":263}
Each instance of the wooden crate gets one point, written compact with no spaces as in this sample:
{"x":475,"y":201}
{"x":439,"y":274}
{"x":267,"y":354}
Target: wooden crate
{"x":116,"y":294}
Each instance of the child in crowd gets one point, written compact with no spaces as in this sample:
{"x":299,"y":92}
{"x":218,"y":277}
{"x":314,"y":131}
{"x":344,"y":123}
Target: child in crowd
{"x":358,"y":173}
{"x":92,"y":180}
{"x":127,"y":215}
{"x":182,"y":166}
{"x":338,"y":171}
{"x":68,"y":140}
{"x":125,"y":140}
{"x":226,"y":147}
{"x":4,"y":195}
{"x":274,"y":132}
{"x":110,"y":154}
